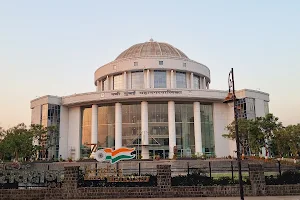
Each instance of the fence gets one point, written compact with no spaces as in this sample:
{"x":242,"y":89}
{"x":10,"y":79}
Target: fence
{"x":221,"y":172}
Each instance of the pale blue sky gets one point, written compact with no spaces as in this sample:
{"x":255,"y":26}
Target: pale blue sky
{"x":54,"y":47}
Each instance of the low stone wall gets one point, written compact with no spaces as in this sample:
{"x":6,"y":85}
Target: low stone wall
{"x":117,"y":192}
{"x":210,"y":191}
{"x":282,"y":190}
{"x":30,"y":194}
{"x":70,"y":189}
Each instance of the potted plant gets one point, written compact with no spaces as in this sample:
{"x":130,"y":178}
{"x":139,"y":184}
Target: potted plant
{"x":70,"y":159}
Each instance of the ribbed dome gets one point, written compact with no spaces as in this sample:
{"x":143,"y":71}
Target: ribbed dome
{"x":151,"y":49}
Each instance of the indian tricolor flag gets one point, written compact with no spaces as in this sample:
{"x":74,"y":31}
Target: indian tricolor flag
{"x":114,"y":156}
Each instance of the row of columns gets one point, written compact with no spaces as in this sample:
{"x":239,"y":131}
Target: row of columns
{"x":144,"y":128}
{"x":147,"y":82}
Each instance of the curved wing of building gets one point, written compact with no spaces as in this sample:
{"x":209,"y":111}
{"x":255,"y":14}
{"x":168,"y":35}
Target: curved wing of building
{"x":151,"y":97}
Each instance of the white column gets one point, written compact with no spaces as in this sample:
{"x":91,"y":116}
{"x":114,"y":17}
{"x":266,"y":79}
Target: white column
{"x":204,"y":83}
{"x":64,"y":132}
{"x":192,"y":80}
{"x":108,"y":82}
{"x":124,"y":80}
{"x":172,"y":128}
{"x":111,"y":82}
{"x":129,"y":86}
{"x":101,"y":84}
{"x":148,"y":79}
{"x":197,"y":129}
{"x":172,"y":79}
{"x":94,"y":134}
{"x":98,"y":86}
{"x":118,"y":124}
{"x":144,"y":129}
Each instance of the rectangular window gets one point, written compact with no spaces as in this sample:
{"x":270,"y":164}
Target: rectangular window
{"x":135,"y":64}
{"x":161,"y":62}
{"x":137,"y":80}
{"x":184,"y":64}
{"x":196,"y":82}
{"x":160,"y":79}
{"x":181,"y":80}
{"x":118,"y":82}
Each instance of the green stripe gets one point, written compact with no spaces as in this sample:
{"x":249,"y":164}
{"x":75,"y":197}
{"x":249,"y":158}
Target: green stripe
{"x":121,"y":157}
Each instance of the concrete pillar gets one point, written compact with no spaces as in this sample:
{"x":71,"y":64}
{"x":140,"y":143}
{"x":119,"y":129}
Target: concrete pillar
{"x":111,"y":82}
{"x":129,"y":86}
{"x":144,"y":129}
{"x":172,"y":128}
{"x":172,"y":79}
{"x":94,"y":126}
{"x":118,"y":125}
{"x":204,"y":83}
{"x":192,"y":81}
{"x":101,"y":85}
{"x":197,"y":129}
{"x":107,"y":83}
{"x":148,"y":79}
{"x":98,"y":89}
{"x":207,"y":86}
{"x":124,"y":80}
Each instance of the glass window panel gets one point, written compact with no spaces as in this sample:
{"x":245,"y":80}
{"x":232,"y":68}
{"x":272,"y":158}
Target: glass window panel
{"x":160,"y":79}
{"x":196,"y":82}
{"x":184,"y":120}
{"x":137,"y":80}
{"x":131,"y":124}
{"x":181,"y":80}
{"x":106,"y":126}
{"x":208,"y":143}
{"x":118,"y":82}
{"x":86,"y":126}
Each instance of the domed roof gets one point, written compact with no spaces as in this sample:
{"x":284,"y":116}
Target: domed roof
{"x":151,"y":49}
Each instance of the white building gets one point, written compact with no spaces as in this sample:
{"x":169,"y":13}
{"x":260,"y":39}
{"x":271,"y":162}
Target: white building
{"x":152,"y":97}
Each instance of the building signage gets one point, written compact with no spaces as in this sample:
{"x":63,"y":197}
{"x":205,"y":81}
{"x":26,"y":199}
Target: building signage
{"x":146,"y":92}
{"x":114,"y":156}
{"x":111,"y":175}
{"x":10,"y":173}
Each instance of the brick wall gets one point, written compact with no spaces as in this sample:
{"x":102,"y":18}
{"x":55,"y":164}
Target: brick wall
{"x":70,"y":188}
{"x":30,"y":194}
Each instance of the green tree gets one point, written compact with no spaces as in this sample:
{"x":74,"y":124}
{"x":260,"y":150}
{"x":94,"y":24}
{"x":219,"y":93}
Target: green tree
{"x":243,"y":130}
{"x":280,"y":142}
{"x":268,"y":125}
{"x":17,"y":142}
{"x":256,"y":137}
{"x":43,"y":137}
{"x":294,"y":138}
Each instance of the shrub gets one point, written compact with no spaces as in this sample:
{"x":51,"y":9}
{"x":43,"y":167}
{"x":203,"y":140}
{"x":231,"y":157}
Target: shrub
{"x":288,"y":177}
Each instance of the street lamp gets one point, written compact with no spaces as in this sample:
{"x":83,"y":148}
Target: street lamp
{"x":231,"y":97}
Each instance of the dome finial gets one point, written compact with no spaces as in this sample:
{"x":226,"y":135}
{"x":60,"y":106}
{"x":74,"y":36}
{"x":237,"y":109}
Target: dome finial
{"x":151,"y":40}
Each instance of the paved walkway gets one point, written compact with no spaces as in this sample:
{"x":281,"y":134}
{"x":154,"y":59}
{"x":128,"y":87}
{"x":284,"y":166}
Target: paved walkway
{"x":220,"y":198}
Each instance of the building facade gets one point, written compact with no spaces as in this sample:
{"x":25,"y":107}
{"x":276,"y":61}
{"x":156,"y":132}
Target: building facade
{"x":151,"y":97}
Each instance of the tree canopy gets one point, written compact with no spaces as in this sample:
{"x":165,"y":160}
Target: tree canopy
{"x":266,"y":132}
{"x":20,"y":142}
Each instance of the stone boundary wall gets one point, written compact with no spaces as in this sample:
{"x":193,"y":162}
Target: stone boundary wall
{"x":70,"y":189}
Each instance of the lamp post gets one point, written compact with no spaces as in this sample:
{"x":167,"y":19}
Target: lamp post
{"x":231,"y":97}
